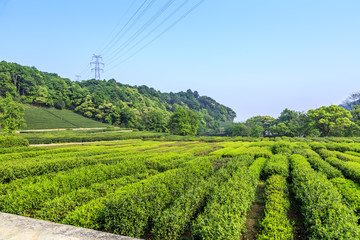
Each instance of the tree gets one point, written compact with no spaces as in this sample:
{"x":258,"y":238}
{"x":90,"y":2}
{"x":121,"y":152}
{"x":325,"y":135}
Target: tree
{"x":237,"y":129}
{"x":128,"y":117}
{"x":154,"y":121}
{"x":351,"y":101}
{"x":87,"y":108}
{"x":43,"y":97}
{"x":11,"y":114}
{"x":289,"y":124}
{"x":332,"y":120}
{"x":264,"y":121}
{"x":184,"y":122}
{"x":256,"y":131}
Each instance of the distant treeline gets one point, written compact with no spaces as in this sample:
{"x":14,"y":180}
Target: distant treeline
{"x":109,"y":101}
{"x":324,"y":121}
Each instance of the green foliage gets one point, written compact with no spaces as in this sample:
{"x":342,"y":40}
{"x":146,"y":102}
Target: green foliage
{"x":154,"y":121}
{"x":326,"y":216}
{"x":349,"y":169}
{"x":162,"y":189}
{"x":275,"y":224}
{"x":128,"y":215}
{"x":330,"y":120}
{"x":256,"y":131}
{"x":276,"y":164}
{"x":11,"y":114}
{"x":184,"y":122}
{"x":12,"y":141}
{"x":57,"y":209}
{"x":87,"y":136}
{"x":282,"y":147}
{"x":237,"y":129}
{"x":173,"y":222}
{"x":109,"y":101}
{"x":350,"y":192}
{"x":322,"y":166}
{"x":264,"y":121}
{"x":224,"y":216}
{"x":50,"y":118}
{"x":290,"y":123}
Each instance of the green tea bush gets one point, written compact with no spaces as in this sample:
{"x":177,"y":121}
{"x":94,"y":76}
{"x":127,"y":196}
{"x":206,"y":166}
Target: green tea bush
{"x":275,"y":224}
{"x":130,"y":210}
{"x":349,"y":169}
{"x":350,"y":192}
{"x":276,"y":164}
{"x":322,"y":166}
{"x":284,"y":148}
{"x":224,"y":216}
{"x":326,"y":216}
{"x":172,"y":222}
{"x":8,"y":141}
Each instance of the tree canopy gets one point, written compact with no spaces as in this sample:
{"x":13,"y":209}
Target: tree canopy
{"x":109,"y":101}
{"x":184,"y":122}
{"x":11,"y":114}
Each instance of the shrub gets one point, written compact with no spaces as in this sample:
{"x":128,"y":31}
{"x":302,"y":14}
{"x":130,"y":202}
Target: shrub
{"x":277,"y":164}
{"x":326,"y":216}
{"x":8,"y":141}
{"x":275,"y":224}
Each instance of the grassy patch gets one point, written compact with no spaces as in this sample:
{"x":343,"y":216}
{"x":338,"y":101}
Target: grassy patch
{"x":51,"y":118}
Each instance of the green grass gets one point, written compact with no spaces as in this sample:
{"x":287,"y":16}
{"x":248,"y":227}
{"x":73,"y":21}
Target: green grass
{"x":51,"y":118}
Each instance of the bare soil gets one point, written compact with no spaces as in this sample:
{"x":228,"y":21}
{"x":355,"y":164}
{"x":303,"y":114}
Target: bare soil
{"x":255,"y":214}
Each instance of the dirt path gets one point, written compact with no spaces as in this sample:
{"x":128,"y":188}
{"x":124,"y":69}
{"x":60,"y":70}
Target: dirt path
{"x":63,"y":129}
{"x":255,"y":214}
{"x":295,"y":217}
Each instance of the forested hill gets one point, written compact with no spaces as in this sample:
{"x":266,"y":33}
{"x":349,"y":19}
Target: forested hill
{"x":109,"y":101}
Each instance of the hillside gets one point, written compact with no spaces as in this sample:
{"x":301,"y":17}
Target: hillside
{"x":51,"y":118}
{"x":109,"y":101}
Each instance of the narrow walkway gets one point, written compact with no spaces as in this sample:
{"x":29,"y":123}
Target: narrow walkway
{"x":255,"y":214}
{"x":14,"y":227}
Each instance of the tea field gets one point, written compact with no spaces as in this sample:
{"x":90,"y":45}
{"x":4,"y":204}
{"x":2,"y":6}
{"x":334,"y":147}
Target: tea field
{"x":172,"y":189}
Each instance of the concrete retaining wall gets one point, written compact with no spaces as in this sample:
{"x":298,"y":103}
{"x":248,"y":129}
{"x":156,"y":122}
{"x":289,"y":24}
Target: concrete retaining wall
{"x":14,"y":227}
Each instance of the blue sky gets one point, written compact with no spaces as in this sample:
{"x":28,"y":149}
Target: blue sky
{"x":257,"y":57}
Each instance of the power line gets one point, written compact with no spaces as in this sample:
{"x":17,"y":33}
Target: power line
{"x":125,"y":51}
{"x":132,"y":42}
{"x":142,"y":29}
{"x":97,"y":67}
{"x":129,"y":25}
{"x":159,"y":35}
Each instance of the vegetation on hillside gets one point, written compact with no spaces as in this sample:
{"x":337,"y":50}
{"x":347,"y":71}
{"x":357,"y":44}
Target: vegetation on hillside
{"x":52,"y":118}
{"x":109,"y":101}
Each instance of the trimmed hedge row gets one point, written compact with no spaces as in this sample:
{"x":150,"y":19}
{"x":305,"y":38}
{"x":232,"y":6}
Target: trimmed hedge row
{"x":350,"y":191}
{"x":130,"y":210}
{"x":29,"y":198}
{"x":224,"y":216}
{"x":8,"y":141}
{"x":56,"y":210}
{"x":326,"y":216}
{"x":25,"y":196}
{"x":172,"y":222}
{"x":277,"y":164}
{"x":275,"y":224}
{"x":346,"y":157}
{"x":322,"y":166}
{"x":349,"y":169}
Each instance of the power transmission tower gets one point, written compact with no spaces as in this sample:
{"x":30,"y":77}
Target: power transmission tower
{"x":97,"y":64}
{"x":77,"y":77}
